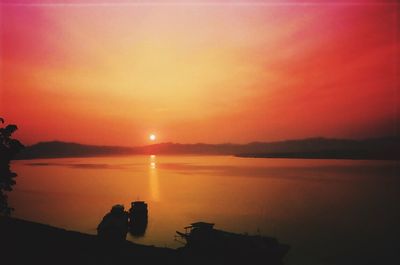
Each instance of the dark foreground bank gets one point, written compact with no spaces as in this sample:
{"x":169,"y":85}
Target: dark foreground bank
{"x":23,"y":242}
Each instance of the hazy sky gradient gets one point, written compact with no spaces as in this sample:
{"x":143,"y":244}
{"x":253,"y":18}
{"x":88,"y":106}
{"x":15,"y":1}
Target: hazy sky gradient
{"x":111,"y":74}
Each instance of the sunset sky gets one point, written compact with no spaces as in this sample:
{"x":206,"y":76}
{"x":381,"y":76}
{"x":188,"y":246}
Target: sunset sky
{"x":100,"y":73}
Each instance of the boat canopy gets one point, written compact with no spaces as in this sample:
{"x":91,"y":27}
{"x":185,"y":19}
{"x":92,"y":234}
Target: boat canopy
{"x":202,"y":225}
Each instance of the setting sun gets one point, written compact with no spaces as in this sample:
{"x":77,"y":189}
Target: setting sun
{"x":152,"y":137}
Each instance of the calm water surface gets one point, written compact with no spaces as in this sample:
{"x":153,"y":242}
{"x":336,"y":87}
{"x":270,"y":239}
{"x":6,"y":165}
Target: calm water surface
{"x":329,"y":211}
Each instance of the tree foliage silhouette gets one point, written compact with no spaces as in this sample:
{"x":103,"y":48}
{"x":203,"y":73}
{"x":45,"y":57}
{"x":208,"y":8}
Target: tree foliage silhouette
{"x":9,"y":147}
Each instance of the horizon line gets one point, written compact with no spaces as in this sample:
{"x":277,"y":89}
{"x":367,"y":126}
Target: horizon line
{"x":222,"y":143}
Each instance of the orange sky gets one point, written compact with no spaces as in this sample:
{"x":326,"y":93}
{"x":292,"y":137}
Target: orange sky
{"x":190,"y":72}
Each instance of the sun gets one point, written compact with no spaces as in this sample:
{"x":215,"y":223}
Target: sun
{"x":152,"y":137}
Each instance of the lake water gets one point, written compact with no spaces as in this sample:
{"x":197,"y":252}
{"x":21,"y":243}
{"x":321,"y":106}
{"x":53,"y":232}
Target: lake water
{"x":329,"y":211}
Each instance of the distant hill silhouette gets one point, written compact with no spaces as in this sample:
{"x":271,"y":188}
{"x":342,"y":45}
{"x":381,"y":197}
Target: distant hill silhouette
{"x":56,"y":149}
{"x":387,"y":148}
{"x":375,"y":148}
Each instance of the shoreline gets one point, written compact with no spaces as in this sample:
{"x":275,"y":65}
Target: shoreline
{"x":316,"y":156}
{"x":244,"y":155}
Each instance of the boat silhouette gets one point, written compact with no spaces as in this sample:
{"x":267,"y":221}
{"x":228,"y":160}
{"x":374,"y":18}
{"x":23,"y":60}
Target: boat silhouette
{"x":204,"y":241}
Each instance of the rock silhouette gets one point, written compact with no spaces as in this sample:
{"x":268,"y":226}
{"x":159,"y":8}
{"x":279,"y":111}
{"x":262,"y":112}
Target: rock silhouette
{"x":138,"y":218}
{"x":114,"y":225}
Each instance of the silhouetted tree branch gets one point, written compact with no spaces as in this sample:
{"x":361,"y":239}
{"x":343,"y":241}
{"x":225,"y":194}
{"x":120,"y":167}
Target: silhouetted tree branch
{"x":9,"y":147}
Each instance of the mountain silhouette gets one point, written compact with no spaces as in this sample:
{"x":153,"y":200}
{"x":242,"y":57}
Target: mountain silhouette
{"x":374,"y":148}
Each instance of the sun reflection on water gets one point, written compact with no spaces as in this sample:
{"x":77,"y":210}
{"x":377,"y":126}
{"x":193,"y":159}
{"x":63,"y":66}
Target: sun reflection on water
{"x":153,"y":178}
